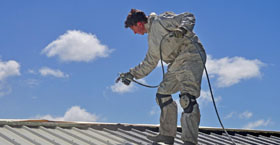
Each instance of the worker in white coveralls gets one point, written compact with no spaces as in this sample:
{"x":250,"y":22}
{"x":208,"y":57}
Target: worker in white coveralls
{"x":169,"y":34}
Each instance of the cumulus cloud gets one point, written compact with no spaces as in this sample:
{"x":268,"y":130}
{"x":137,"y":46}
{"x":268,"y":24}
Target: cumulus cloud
{"x":121,"y":88}
{"x":8,"y":69}
{"x":45,"y":71}
{"x":205,"y":98}
{"x":230,"y":115}
{"x":76,"y":46}
{"x":246,"y":115}
{"x":230,"y":71}
{"x":31,"y":71}
{"x":75,"y":113}
{"x":258,"y":123}
{"x":243,"y":115}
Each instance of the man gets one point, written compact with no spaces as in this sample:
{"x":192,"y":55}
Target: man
{"x":171,"y":38}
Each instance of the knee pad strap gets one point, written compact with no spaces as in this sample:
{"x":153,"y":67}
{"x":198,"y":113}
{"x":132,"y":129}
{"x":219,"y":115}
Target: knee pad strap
{"x":160,"y":100}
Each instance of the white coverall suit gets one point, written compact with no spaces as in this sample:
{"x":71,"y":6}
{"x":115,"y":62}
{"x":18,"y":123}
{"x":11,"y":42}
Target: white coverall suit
{"x":184,"y":74}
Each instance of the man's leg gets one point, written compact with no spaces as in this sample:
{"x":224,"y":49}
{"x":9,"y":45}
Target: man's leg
{"x":168,"y":115}
{"x":168,"y":120}
{"x":190,"y":81}
{"x":190,"y":119}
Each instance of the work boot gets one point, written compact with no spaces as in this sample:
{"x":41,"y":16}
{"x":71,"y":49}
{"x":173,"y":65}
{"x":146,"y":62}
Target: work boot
{"x":162,"y":138}
{"x":188,"y":143}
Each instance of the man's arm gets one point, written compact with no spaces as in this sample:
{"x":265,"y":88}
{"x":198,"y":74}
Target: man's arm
{"x":146,"y":66}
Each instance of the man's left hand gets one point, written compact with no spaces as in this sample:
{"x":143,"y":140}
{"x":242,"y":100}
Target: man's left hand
{"x":179,"y":32}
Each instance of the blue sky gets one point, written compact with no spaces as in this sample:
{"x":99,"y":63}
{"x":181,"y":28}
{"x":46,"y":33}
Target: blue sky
{"x":59,"y":61}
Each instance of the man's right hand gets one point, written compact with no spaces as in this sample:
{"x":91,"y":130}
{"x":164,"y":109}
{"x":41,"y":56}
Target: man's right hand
{"x":126,"y":78}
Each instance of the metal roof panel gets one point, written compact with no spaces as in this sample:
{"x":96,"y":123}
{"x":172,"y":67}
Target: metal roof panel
{"x":42,"y":132}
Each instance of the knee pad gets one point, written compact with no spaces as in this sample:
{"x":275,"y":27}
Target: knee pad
{"x":163,"y":100}
{"x":187,"y":102}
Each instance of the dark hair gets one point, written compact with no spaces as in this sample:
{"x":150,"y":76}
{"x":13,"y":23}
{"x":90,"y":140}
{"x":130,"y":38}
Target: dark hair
{"x":135,"y":16}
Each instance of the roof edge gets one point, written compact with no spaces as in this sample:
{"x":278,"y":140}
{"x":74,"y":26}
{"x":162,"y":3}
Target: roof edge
{"x":239,"y":131}
{"x":126,"y":126}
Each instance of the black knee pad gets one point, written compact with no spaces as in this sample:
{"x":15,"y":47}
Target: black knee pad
{"x":187,"y":102}
{"x":160,"y":102}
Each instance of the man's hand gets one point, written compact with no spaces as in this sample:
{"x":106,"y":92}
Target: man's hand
{"x":179,"y":32}
{"x":126,"y":78}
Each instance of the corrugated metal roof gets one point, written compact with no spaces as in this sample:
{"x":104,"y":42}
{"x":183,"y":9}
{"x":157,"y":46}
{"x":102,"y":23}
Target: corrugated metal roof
{"x":43,"y":132}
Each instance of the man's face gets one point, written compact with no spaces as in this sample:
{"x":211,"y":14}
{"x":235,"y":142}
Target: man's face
{"x":139,"y":28}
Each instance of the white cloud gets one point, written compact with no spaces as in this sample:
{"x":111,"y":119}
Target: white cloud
{"x":258,"y":123}
{"x":75,"y":113}
{"x":205,"y":98}
{"x":8,"y":69}
{"x":31,"y":71}
{"x":231,"y":71}
{"x":122,"y":88}
{"x":159,"y":64}
{"x":243,"y":115}
{"x":76,"y":46}
{"x":230,"y":115}
{"x":246,"y":115}
{"x":45,"y":71}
